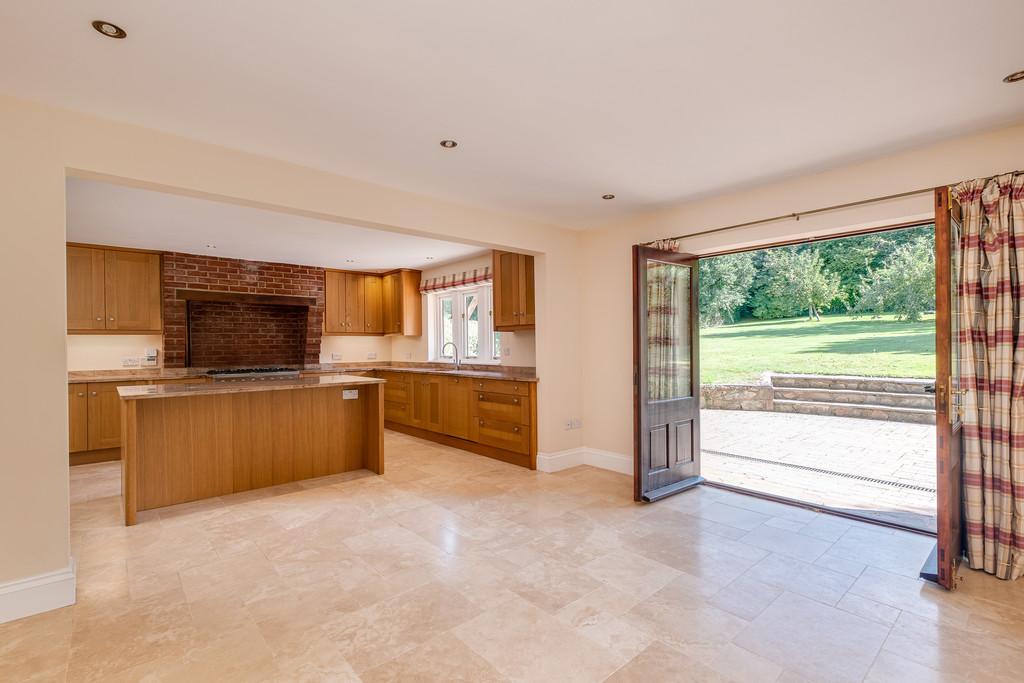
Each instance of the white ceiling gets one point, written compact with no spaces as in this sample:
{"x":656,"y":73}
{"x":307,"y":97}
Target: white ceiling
{"x":554,"y":102}
{"x":102,"y":213}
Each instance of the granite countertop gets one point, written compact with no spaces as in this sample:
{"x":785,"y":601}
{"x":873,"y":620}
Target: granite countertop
{"x":482,"y":374}
{"x":157,"y":374}
{"x":144,"y":391}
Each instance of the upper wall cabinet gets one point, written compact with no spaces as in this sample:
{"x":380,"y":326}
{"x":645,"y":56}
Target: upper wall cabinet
{"x":369,"y":304}
{"x":109,"y":290}
{"x":403,"y":303}
{"x":514,"y":307}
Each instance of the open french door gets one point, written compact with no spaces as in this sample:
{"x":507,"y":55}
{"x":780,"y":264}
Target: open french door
{"x":666,"y":380}
{"x":941,"y":566}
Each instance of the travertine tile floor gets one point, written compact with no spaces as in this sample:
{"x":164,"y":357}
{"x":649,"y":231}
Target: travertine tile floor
{"x":453,"y":567}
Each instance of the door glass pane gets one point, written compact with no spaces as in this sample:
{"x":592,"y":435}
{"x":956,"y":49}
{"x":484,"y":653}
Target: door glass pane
{"x":447,"y":327}
{"x":472,"y":326}
{"x":668,"y":331}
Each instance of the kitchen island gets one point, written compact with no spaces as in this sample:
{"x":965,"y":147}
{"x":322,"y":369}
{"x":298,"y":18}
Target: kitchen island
{"x":187,"y":442}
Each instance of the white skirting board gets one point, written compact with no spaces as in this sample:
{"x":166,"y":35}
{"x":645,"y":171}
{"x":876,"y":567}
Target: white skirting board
{"x":35,"y":594}
{"x":595,"y":457}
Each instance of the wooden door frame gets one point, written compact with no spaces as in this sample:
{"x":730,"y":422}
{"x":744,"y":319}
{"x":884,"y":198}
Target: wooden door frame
{"x":639,"y":252}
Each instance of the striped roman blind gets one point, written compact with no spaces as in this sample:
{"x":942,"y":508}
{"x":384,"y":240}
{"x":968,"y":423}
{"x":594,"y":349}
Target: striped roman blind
{"x":466,"y":277}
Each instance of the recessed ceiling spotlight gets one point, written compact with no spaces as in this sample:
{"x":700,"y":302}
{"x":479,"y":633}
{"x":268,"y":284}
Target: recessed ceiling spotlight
{"x":429,"y":258}
{"x":607,"y":196}
{"x":1014,"y":77}
{"x":350,"y":260}
{"x":109,"y":30}
{"x":449,"y":144}
{"x":211,"y":246}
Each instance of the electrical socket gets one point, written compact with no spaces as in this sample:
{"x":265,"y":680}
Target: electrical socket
{"x":507,"y":352}
{"x":335,"y":356}
{"x":130,"y":362}
{"x":408,"y":356}
{"x":372,"y":355}
{"x":574,"y":423}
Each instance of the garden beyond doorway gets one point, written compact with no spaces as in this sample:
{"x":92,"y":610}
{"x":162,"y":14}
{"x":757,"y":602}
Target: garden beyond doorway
{"x":818,"y":370}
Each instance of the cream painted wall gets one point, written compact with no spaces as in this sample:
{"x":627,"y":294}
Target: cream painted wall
{"x":105,"y":351}
{"x":40,"y":145}
{"x":354,"y":348}
{"x":607,"y":269}
{"x":519,"y":347}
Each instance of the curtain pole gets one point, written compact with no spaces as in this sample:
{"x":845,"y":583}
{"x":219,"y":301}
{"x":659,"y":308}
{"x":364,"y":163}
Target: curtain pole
{"x":799,"y":214}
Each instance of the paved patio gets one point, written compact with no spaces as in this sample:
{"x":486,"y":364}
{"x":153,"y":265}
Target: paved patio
{"x":880,"y":469}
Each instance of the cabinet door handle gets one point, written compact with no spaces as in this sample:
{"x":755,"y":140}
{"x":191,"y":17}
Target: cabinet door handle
{"x":480,"y":397}
{"x":92,"y":393}
{"x":111,"y":318}
{"x":515,"y":401}
{"x":99,"y":317}
{"x":81,"y":393}
{"x":481,"y":423}
{"x":515,"y":429}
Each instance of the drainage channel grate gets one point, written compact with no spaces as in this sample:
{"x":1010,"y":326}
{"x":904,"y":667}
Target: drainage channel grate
{"x":817,"y":470}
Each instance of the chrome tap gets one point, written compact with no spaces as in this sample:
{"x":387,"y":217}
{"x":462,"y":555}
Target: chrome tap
{"x":455,"y":348}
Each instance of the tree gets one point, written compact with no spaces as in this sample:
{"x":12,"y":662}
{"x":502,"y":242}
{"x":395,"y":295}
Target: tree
{"x":724,"y":286}
{"x":792,"y":281}
{"x":905,"y":285}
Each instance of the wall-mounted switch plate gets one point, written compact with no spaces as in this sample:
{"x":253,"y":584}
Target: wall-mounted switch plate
{"x":372,"y":355}
{"x":349,"y":394}
{"x":129,"y":362}
{"x":335,"y":356}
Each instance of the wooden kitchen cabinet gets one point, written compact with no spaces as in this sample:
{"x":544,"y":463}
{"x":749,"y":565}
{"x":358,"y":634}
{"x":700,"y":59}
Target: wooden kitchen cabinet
{"x":456,"y":412}
{"x":369,"y":304}
{"x":85,"y":294}
{"x":402,"y":303}
{"x":104,"y":415}
{"x":428,"y":402}
{"x":373,"y":305}
{"x":78,"y":418}
{"x":112,"y":290}
{"x":343,"y":302}
{"x":514,"y":295}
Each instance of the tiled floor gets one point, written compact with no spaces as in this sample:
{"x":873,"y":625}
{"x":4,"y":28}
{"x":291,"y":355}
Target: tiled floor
{"x":453,"y":567}
{"x":900,"y":453}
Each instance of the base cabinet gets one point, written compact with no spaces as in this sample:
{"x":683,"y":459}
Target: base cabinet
{"x":456,"y":407}
{"x":78,"y":418}
{"x":490,"y":417}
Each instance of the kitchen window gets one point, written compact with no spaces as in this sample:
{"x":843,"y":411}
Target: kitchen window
{"x":463,"y":317}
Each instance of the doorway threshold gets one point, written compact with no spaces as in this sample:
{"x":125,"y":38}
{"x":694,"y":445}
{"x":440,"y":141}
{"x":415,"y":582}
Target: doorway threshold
{"x":823,"y":509}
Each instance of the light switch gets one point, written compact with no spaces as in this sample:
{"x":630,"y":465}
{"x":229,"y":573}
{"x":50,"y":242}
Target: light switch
{"x":349,"y":394}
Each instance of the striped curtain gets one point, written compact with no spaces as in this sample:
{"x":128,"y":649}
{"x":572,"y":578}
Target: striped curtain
{"x":465,"y":277}
{"x":992,"y":372}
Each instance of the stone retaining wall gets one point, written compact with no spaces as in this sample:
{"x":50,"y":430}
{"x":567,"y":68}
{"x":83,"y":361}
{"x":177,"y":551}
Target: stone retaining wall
{"x":737,"y":396}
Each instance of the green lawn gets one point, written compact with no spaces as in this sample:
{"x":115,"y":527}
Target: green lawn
{"x":838,"y":345}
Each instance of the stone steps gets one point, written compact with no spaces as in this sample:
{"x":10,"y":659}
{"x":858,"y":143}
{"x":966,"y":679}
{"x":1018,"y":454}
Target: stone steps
{"x":857,"y":397}
{"x":862,"y":410}
{"x":852,"y":383}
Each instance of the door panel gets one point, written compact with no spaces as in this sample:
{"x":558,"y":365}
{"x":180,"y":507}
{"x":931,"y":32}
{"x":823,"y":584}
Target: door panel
{"x":85,"y":289}
{"x":941,"y":566}
{"x":527,"y":307}
{"x":354,"y":293}
{"x":373,"y":321}
{"x":78,"y":418}
{"x":456,"y":407}
{"x":506,"y":289}
{"x":334,"y":302}
{"x":132,"y":291}
{"x":666,"y":377}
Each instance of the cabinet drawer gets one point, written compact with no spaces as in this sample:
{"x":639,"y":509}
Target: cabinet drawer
{"x":501,"y":407}
{"x":396,"y":412}
{"x":505,"y":435}
{"x":502,"y":386}
{"x":397,"y":393}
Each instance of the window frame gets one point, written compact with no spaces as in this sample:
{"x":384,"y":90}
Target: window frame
{"x":488,"y":338}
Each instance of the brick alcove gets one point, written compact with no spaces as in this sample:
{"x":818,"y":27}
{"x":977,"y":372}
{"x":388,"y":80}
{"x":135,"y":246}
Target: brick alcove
{"x":243,"y":332}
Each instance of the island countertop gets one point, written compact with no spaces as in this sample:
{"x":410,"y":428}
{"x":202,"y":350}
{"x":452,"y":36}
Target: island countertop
{"x":147,"y":391}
